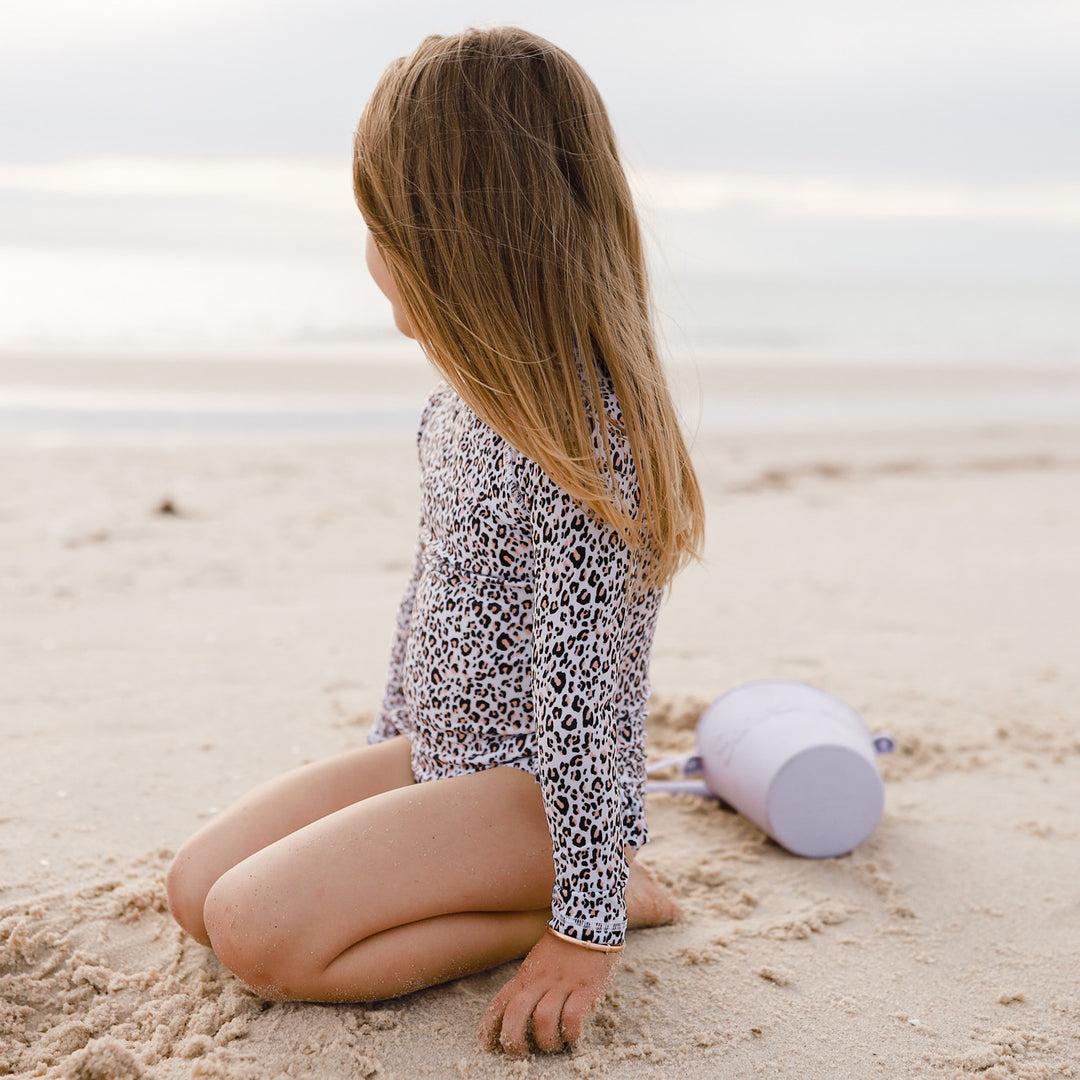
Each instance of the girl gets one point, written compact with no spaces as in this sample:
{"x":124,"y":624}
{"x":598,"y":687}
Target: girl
{"x":497,"y":809}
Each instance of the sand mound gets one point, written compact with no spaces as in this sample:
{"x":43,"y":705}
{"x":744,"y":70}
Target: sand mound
{"x":100,"y":983}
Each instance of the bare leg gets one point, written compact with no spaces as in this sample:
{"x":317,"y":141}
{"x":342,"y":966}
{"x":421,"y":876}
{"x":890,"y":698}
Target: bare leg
{"x":408,"y":958}
{"x":397,"y":948}
{"x":447,"y":947}
{"x":402,"y":890}
{"x":274,"y":810}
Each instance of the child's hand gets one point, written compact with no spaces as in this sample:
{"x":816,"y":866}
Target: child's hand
{"x":557,"y":986}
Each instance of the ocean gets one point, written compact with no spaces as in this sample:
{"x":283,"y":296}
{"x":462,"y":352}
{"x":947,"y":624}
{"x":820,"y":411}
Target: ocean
{"x":201,"y":269}
{"x":88,"y":301}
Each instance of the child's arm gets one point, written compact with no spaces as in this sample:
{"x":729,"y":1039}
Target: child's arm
{"x":581,"y":579}
{"x":580,"y":593}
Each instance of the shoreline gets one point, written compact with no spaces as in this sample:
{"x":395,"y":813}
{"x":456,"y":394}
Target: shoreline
{"x":64,"y":399}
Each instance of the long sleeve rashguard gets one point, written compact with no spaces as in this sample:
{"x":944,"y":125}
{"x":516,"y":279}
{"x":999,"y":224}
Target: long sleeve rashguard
{"x":523,"y":639}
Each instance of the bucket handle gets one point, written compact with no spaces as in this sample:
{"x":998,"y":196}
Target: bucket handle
{"x":690,"y":766}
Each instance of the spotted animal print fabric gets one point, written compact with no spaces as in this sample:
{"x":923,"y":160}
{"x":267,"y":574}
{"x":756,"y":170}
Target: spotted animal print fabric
{"x":523,"y":639}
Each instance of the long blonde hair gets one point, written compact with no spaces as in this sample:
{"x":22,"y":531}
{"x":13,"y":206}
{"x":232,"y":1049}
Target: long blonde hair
{"x":486,"y":168}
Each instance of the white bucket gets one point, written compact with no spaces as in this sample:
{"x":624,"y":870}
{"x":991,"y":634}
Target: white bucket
{"x":794,"y":760}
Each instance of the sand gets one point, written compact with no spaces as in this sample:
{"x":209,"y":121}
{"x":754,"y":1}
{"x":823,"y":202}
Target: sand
{"x":181,"y":620}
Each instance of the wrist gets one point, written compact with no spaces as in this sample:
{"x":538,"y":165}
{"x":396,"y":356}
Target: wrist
{"x":592,"y":946}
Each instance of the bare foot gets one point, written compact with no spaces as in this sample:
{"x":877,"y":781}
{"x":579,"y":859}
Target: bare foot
{"x":648,"y":903}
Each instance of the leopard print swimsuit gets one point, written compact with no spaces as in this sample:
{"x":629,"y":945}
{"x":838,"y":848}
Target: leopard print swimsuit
{"x":523,"y":639}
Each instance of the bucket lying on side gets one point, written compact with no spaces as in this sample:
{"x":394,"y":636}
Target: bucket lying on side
{"x":794,"y":760}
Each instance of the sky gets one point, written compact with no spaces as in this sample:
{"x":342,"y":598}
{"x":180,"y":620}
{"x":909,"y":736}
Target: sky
{"x":975,"y":90}
{"x":768,"y":138}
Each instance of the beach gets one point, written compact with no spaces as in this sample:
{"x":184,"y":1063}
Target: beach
{"x":188,"y":612}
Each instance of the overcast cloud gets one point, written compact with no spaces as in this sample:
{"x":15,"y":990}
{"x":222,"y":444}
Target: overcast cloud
{"x":973,"y":90}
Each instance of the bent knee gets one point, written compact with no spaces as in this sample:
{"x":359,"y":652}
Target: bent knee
{"x":257,"y":943}
{"x":186,"y":891}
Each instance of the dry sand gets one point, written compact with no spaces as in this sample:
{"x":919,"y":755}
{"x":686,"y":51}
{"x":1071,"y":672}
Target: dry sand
{"x":181,"y":621}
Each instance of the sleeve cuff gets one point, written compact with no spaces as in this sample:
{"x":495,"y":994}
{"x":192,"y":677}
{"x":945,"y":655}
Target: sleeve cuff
{"x":602,"y":935}
{"x":585,"y":944}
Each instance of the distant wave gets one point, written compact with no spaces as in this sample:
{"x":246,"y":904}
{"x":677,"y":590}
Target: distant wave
{"x":319,"y":184}
{"x":850,"y":197}
{"x":65,"y":415}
